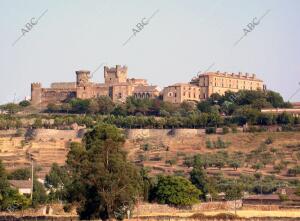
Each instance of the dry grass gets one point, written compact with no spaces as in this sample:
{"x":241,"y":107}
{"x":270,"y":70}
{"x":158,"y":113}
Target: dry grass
{"x":244,"y":142}
{"x":240,"y":213}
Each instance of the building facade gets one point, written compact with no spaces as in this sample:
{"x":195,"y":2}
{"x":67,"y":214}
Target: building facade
{"x":116,"y":85}
{"x":216,"y":82}
{"x":204,"y":85}
{"x":180,"y":92}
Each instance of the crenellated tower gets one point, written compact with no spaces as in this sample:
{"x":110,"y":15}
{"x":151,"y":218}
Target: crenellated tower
{"x":82,"y":78}
{"x":115,"y":75}
{"x":36,"y":93}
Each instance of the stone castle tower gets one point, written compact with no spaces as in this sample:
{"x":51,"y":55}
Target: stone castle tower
{"x":116,"y":86}
{"x":36,"y":93}
{"x":115,"y":75}
{"x":82,"y":78}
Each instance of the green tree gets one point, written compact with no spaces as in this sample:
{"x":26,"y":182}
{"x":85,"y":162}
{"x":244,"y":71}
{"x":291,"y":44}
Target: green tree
{"x":257,"y":166}
{"x":284,"y":118}
{"x":11,"y":108}
{"x":24,"y":103}
{"x":233,"y":191}
{"x":105,"y":105}
{"x":275,"y":99}
{"x":10,"y":198}
{"x":176,"y":190}
{"x":204,"y":107}
{"x":20,"y":174}
{"x":56,"y":181}
{"x":39,"y":195}
{"x":198,"y":177}
{"x":93,"y":106}
{"x":108,"y":183}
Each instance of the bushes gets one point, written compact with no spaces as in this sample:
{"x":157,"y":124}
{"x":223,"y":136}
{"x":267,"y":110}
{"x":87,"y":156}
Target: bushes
{"x":278,"y":167}
{"x":210,"y":130}
{"x":156,"y":158}
{"x":269,"y":140}
{"x":171,"y":162}
{"x":175,"y":190}
{"x":225,"y":130}
{"x":218,"y":144}
{"x":294,"y":171}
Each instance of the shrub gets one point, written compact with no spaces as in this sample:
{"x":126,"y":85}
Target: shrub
{"x":234,"y":129}
{"x":220,"y":144}
{"x":269,"y":140}
{"x":209,"y":144}
{"x":283,"y":197}
{"x":294,"y":171}
{"x":210,"y":130}
{"x":225,"y":130}
{"x":171,"y":162}
{"x":179,"y":173}
{"x":24,"y":103}
{"x":156,"y":158}
{"x":277,"y":168}
{"x":188,"y":162}
{"x":20,"y":132}
{"x":146,"y":147}
{"x":257,"y":166}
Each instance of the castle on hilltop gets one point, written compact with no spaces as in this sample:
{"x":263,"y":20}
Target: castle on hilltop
{"x":118,"y":87}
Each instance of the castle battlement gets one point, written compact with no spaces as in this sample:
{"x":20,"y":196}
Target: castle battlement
{"x":230,"y":75}
{"x":117,"y":86}
{"x":36,"y":85}
{"x":115,"y":75}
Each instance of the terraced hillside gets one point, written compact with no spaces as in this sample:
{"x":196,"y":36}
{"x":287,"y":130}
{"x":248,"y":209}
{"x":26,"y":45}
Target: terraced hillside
{"x":164,"y":151}
{"x":45,"y":148}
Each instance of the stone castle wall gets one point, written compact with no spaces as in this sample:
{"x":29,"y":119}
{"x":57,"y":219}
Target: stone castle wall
{"x":116,"y":86}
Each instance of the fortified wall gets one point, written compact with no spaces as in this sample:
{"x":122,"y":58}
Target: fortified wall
{"x":116,"y":85}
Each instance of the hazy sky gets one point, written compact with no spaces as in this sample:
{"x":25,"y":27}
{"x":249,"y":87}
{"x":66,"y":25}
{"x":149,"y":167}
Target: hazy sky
{"x":182,"y":38}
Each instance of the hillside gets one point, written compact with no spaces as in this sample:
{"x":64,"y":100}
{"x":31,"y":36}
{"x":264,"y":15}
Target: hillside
{"x":157,"y":150}
{"x":162,"y":150}
{"x":45,"y":147}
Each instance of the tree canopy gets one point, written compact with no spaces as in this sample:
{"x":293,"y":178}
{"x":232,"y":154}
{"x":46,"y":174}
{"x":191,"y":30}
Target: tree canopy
{"x":106,"y":184}
{"x":176,"y":190}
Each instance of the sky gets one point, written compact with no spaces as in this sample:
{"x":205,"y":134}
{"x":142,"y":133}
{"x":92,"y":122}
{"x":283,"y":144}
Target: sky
{"x":164,"y":41}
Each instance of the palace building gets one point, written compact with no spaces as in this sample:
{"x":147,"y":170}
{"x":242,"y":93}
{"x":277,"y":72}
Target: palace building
{"x":204,"y":85}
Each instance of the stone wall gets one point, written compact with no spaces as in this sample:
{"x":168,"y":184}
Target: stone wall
{"x":48,"y":134}
{"x":152,"y":133}
{"x":63,"y":85}
{"x":7,"y":133}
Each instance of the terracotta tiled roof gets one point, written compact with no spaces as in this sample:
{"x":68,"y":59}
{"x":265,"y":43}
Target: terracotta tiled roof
{"x":296,"y":104}
{"x":24,"y":184}
{"x":263,"y":197}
